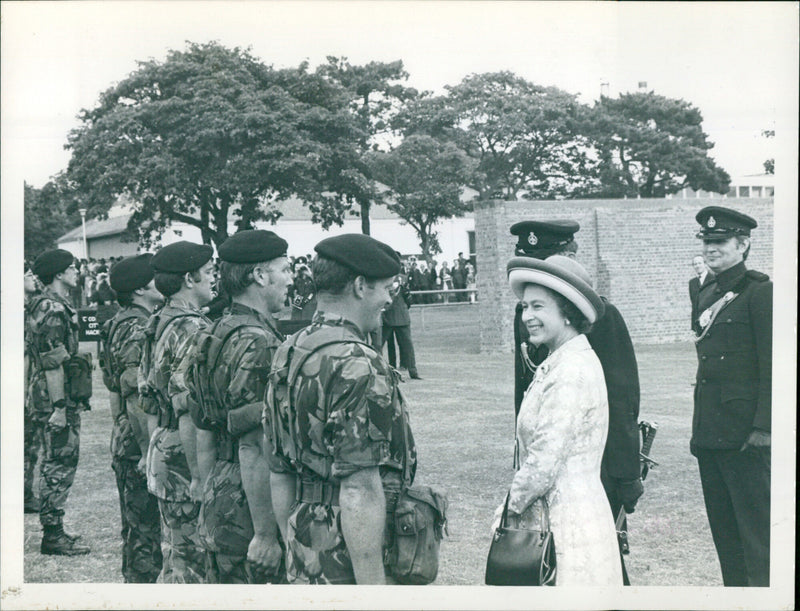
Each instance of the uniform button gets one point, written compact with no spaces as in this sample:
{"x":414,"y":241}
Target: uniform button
{"x":729,"y":320}
{"x":702,"y":381}
{"x":704,"y":357}
{"x":722,"y":358}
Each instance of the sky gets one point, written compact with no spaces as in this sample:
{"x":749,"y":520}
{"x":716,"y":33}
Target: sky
{"x":736,"y":62}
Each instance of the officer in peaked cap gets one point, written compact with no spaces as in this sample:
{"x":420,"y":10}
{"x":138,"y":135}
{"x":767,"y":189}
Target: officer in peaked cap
{"x":733,"y":401}
{"x":718,"y":223}
{"x":620,"y":470}
{"x":541,"y":239}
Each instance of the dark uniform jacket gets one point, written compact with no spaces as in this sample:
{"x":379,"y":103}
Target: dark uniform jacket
{"x":396,"y":314}
{"x":694,"y":295}
{"x":733,"y":394}
{"x":612,"y":343}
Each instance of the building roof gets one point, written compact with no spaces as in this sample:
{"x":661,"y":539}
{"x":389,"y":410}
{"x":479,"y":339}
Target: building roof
{"x":96,"y":228}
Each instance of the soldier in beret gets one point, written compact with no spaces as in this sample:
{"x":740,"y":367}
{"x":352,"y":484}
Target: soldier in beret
{"x":122,"y":337}
{"x":733,"y":401}
{"x":620,"y":470}
{"x":226,"y":374}
{"x":184,"y":275}
{"x":57,"y":393}
{"x":336,"y":476}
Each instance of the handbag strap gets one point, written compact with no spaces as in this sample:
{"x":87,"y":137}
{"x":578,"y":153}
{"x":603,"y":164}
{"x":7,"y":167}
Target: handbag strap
{"x":545,"y":526}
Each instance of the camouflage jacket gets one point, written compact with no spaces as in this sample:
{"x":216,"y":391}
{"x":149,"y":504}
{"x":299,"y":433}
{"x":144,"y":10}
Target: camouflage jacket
{"x":52,"y":339}
{"x":168,"y":475}
{"x":346,"y":404}
{"x":236,"y":385}
{"x":122,"y":351}
{"x":344,"y":414}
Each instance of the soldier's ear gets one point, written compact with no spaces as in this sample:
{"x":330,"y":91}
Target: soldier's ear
{"x":359,"y":285}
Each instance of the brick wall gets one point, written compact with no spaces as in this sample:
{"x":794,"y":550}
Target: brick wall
{"x":638,"y":251}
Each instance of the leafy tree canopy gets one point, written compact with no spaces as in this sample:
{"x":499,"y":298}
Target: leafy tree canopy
{"x":426,"y":178}
{"x":212,"y":131}
{"x":650,"y":146}
{"x":522,"y":135}
{"x":46,"y":218}
{"x":376,"y":94}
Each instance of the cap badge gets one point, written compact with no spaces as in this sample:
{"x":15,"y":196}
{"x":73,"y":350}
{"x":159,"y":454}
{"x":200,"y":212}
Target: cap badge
{"x":532,"y":239}
{"x":712,"y":222}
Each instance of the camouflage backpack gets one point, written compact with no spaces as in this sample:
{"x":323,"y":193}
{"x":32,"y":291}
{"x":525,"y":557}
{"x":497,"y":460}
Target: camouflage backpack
{"x":105,"y":357}
{"x":153,"y":379}
{"x":204,"y":359}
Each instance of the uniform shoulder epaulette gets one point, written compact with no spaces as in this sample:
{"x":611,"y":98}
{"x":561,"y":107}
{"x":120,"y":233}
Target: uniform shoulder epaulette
{"x":757,"y":276}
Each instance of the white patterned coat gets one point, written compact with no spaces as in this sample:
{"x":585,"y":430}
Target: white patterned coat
{"x":561,"y":431}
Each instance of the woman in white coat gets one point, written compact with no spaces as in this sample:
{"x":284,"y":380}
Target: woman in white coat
{"x":563,"y":422}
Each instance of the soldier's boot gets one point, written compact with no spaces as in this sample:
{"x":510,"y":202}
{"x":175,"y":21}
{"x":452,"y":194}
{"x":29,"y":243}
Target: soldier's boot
{"x":55,"y":542}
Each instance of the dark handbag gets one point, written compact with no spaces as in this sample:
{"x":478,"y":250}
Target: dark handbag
{"x":520,"y":557}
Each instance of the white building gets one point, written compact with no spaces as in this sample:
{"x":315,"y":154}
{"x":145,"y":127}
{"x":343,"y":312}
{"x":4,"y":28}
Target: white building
{"x":105,"y":238}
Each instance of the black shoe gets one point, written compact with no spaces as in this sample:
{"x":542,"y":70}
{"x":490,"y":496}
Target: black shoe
{"x":414,"y":375}
{"x":32,"y":505}
{"x":62,"y":545}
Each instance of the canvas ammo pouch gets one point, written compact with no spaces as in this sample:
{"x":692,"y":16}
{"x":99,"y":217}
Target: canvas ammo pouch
{"x":78,"y":376}
{"x":419,"y":524}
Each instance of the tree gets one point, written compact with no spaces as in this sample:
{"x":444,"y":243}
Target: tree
{"x":522,"y":135}
{"x":425,"y":178}
{"x":650,"y":146}
{"x":46,"y":218}
{"x":376,"y":95}
{"x":212,"y":132}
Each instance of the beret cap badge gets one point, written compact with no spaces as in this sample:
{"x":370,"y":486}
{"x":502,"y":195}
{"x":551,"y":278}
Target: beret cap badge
{"x":532,"y":239}
{"x":711,"y":222}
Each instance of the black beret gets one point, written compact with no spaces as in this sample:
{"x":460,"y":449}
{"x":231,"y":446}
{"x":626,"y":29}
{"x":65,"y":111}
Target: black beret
{"x":52,"y":262}
{"x":718,"y":222}
{"x":181,"y":257}
{"x":252,"y":246}
{"x":131,"y":273}
{"x":362,"y":254}
{"x":535,"y":237}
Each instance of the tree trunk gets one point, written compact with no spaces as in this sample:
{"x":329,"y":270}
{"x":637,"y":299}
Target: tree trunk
{"x":365,"y":205}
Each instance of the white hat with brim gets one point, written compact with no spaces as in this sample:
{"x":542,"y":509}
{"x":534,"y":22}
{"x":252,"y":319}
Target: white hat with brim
{"x":561,"y":274}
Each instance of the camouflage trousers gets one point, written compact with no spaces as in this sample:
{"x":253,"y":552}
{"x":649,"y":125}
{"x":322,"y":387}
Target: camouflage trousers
{"x":141,"y":525}
{"x":34,"y":441}
{"x":59,"y":463}
{"x":183,"y":555}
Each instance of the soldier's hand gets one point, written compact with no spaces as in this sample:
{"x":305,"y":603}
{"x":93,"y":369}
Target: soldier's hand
{"x":141,"y":467}
{"x":628,"y":492}
{"x":58,"y":419}
{"x":196,"y":491}
{"x":757,"y":439}
{"x":265,"y":553}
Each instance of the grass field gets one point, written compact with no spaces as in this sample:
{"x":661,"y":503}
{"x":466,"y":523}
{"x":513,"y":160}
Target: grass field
{"x":462,"y":417}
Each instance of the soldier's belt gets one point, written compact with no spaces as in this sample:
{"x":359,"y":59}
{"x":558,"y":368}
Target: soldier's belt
{"x":316,"y":491}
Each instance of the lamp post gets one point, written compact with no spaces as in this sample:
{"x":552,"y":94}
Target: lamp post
{"x":82,"y":212}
